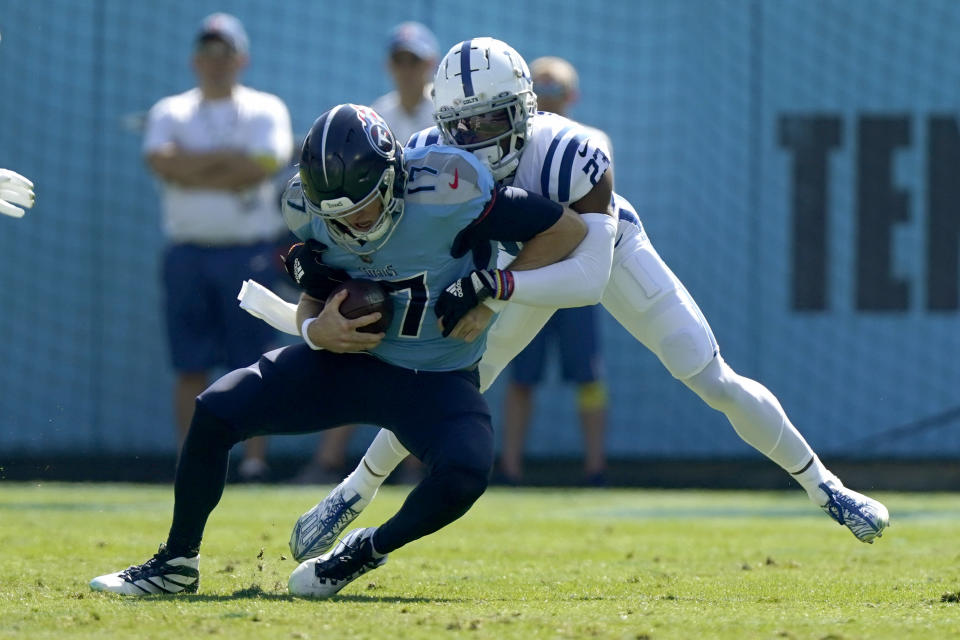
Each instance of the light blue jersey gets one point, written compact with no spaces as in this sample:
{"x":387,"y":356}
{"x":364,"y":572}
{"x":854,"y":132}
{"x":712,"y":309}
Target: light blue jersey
{"x":446,"y":190}
{"x":562,"y":160}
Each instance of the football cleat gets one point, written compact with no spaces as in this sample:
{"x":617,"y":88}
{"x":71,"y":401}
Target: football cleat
{"x":864,"y":516}
{"x":319,"y":528}
{"x":163,"y":573}
{"x":325,"y":576}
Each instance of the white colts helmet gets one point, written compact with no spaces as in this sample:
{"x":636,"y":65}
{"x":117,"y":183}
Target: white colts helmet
{"x":482,"y":101}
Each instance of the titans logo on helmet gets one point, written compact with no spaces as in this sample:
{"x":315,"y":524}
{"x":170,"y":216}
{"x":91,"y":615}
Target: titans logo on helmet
{"x":377,"y":131}
{"x":381,"y":138}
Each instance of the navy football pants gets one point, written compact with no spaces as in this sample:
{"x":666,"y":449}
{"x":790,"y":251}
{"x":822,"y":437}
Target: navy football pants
{"x":441,"y":418}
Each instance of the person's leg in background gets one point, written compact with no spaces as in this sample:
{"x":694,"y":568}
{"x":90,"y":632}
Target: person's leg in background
{"x":577,"y":334}
{"x":188,"y":312}
{"x":526,"y":372}
{"x":186,"y":387}
{"x":244,"y":337}
{"x":329,"y":462}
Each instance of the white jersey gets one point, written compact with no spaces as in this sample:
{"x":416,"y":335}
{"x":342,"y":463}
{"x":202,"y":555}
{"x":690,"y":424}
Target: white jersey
{"x":250,"y":121}
{"x":561,"y":160}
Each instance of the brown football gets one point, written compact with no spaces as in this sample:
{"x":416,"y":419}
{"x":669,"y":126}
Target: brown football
{"x":366,"y":296}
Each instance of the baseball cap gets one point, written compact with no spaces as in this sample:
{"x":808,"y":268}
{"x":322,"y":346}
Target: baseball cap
{"x":554,"y":77}
{"x":227,"y":28}
{"x":415,"y":38}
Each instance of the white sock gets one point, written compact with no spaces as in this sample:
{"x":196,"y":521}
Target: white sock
{"x":381,"y":458}
{"x":384,"y":454}
{"x":811,"y":475}
{"x":363,"y":482}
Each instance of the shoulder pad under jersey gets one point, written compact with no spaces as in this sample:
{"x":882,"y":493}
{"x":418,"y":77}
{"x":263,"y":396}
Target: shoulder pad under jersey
{"x":442,"y":175}
{"x":424,"y":138}
{"x":294,"y":209}
{"x":563,"y":159}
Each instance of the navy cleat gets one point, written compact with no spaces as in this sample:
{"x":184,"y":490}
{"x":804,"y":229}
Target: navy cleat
{"x":864,"y":516}
{"x":317,"y":529}
{"x":325,"y":576}
{"x":163,"y":573}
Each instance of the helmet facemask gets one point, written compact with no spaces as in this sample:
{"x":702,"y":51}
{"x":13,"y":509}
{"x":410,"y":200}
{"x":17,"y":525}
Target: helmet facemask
{"x":335,"y":213}
{"x":494,"y":130}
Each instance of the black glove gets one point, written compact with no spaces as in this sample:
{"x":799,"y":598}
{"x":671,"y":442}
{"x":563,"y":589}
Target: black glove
{"x":469,"y":291}
{"x":304,"y":263}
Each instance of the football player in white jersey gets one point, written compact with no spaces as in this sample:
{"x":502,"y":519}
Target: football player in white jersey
{"x":484,"y":103}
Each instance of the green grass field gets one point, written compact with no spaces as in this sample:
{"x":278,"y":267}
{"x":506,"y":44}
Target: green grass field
{"x":522,"y":564}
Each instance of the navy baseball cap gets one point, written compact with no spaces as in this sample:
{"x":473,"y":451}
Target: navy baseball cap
{"x":415,"y":38}
{"x":227,"y":28}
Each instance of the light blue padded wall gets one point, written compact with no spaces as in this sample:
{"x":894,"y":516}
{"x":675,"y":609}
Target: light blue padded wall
{"x":693,"y":94}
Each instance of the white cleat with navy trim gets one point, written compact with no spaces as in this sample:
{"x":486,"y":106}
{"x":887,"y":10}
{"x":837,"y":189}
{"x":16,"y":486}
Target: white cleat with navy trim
{"x":865,"y":517}
{"x":325,"y":576}
{"x":163,"y":573}
{"x":317,"y":529}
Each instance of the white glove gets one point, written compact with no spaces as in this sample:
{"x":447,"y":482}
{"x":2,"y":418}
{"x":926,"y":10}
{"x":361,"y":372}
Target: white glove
{"x":15,"y":190}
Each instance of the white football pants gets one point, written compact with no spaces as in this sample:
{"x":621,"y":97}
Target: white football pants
{"x":650,"y":302}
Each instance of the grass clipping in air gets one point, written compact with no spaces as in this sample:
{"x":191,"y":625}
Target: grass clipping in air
{"x":521,"y":564}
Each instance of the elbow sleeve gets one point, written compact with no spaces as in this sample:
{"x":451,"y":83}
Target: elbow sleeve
{"x":578,"y":280}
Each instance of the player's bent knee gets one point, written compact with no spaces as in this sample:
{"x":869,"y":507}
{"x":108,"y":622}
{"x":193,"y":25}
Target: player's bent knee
{"x":208,"y":430}
{"x":462,"y":486}
{"x":686,"y":353}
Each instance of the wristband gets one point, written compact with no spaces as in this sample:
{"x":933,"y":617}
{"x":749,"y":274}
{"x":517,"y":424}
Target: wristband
{"x":306,"y":337}
{"x":502,"y":283}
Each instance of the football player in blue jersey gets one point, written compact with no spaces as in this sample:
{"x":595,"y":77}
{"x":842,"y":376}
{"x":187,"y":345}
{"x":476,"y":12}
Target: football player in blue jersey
{"x":415,"y":221}
{"x":484,"y":103}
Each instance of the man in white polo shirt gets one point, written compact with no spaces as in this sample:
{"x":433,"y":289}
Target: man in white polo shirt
{"x":215,"y":149}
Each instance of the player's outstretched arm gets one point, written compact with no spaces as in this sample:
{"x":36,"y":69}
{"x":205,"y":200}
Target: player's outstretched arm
{"x":516,"y":215}
{"x":16,"y":194}
{"x":577,"y":250}
{"x":541,"y":275}
{"x":580,"y":279}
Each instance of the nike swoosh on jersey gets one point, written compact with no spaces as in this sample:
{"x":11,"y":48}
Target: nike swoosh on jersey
{"x":583,"y":152}
{"x":456,"y":179}
{"x":297,"y":206}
